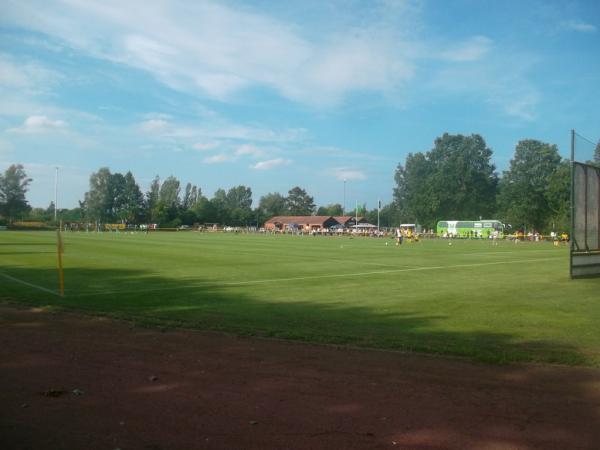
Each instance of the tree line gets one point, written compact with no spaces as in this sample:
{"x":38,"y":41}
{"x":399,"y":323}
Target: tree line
{"x":455,"y":180}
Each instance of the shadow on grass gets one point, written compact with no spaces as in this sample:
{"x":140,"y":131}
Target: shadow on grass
{"x":150,"y":300}
{"x":426,"y":417}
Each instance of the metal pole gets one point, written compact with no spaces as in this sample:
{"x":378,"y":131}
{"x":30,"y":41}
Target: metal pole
{"x":59,"y":252}
{"x":344,"y":208}
{"x":56,"y":195}
{"x":572,"y":230}
{"x":378,"y":208}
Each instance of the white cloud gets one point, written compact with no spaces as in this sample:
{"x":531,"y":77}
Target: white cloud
{"x":471,"y":50}
{"x":25,"y":75}
{"x":249,"y":150}
{"x":217,"y":49}
{"x":488,"y":80}
{"x":270,"y":164}
{"x":349,"y":174}
{"x":582,"y":27}
{"x":204,"y":146}
{"x":39,"y":124}
{"x":217,"y":159}
{"x":212,"y":49}
{"x":154,"y":125}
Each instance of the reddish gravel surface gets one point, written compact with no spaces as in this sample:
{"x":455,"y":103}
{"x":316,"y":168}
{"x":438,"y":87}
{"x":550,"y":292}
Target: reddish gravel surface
{"x":147,"y":389}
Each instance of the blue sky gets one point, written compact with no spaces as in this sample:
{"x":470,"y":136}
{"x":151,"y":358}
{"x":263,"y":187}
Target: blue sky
{"x":274,"y":94}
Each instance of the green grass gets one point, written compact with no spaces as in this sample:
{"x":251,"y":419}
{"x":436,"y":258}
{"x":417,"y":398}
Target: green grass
{"x":497,"y":304}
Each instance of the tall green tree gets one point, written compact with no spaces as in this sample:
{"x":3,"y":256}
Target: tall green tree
{"x":116,"y":192}
{"x":169,"y":192}
{"x":190,"y":196}
{"x":299,"y":203}
{"x":98,"y":201}
{"x":219,"y":207}
{"x":390,"y":216}
{"x":455,"y":179}
{"x":13,"y":187}
{"x":413,"y":196}
{"x":272,"y":204}
{"x":131,"y":200}
{"x":152,"y":197}
{"x":330,"y":210}
{"x":205,"y":211}
{"x":558,"y":193}
{"x":238,"y":202}
{"x":523,"y":197}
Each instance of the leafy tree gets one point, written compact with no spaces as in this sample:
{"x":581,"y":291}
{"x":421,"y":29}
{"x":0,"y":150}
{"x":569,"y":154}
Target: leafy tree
{"x":272,"y":204}
{"x":190,"y":197}
{"x":299,"y":203}
{"x":238,"y":202}
{"x":205,"y":211}
{"x":557,"y":195}
{"x":330,"y":210}
{"x":219,"y":206}
{"x":152,"y":199}
{"x":116,"y":194}
{"x":454,"y":179}
{"x":98,"y":200}
{"x":131,"y":200}
{"x":412,"y":196}
{"x":113,"y":197}
{"x":169,"y":192}
{"x":523,"y":197}
{"x":239,"y":197}
{"x":13,"y":186}
{"x":389,"y":216}
{"x":50,"y":210}
{"x":464,"y":179}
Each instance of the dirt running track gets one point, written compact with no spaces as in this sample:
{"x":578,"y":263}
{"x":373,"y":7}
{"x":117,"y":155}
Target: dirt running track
{"x":152,"y":390}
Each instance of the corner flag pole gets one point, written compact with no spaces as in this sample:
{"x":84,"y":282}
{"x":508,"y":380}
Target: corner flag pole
{"x":59,"y":252}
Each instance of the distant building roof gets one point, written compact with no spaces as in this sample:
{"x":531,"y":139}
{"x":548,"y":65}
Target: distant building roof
{"x":345,"y":219}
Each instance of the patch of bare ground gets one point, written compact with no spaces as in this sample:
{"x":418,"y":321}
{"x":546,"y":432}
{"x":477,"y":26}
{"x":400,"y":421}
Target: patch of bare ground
{"x":75,"y":382}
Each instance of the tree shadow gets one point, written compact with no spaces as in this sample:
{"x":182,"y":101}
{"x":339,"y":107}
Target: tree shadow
{"x":424,"y":416}
{"x":153,"y":300}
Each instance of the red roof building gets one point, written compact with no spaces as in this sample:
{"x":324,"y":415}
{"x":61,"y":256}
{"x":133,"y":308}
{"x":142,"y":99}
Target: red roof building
{"x":349,"y":221}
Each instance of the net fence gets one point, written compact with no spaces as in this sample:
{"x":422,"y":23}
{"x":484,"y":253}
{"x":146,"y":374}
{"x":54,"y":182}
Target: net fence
{"x":585,"y":248}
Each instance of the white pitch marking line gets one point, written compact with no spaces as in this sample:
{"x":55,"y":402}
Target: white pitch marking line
{"x":26,"y":283}
{"x":310,"y":277}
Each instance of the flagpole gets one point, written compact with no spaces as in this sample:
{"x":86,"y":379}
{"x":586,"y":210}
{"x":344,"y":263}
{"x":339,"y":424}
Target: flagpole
{"x":378,"y":208}
{"x":344,"y":208}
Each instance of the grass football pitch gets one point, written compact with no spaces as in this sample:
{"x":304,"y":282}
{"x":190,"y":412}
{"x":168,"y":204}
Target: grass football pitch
{"x":505,"y":303}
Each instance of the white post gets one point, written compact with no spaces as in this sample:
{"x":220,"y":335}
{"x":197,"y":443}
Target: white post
{"x":344,"y":207}
{"x":56,"y":195}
